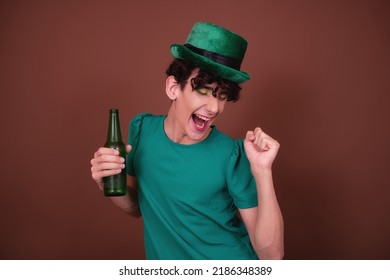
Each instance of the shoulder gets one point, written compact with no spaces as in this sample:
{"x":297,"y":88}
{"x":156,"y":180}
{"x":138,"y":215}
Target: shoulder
{"x":221,"y":139}
{"x":145,"y":119}
{"x":229,"y":143}
{"x":141,"y":124}
{"x":232,"y":149}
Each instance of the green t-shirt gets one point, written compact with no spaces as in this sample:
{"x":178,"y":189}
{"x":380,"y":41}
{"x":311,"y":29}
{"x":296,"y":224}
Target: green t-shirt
{"x":189,"y":194}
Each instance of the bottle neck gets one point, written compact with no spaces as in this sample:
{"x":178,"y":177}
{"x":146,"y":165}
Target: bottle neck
{"x":114,"y":128}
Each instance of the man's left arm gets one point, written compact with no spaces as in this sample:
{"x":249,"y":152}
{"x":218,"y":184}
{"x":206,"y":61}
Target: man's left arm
{"x":264,"y":222}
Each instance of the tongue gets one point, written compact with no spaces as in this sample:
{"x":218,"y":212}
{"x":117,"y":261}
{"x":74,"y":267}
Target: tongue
{"x":199,"y":122}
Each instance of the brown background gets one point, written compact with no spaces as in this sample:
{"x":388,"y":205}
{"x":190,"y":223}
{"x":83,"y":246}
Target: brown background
{"x":320,"y":86}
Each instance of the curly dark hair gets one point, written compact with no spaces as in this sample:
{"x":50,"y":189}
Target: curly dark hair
{"x":181,"y":71}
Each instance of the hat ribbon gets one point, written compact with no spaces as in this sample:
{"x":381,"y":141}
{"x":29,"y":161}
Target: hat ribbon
{"x":218,"y":58}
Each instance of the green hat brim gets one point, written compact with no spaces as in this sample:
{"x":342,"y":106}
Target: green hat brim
{"x":182,"y":52}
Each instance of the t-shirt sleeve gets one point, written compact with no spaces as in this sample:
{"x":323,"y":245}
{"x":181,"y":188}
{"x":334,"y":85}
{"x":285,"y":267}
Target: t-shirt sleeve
{"x":241,"y":183}
{"x":133,"y":139}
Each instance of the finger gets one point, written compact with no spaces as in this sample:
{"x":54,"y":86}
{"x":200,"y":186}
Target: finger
{"x":273,"y":144}
{"x":263,"y":145}
{"x":267,"y":143}
{"x":97,"y":176}
{"x":263,"y":141}
{"x":250,"y":136}
{"x":106,"y":151}
{"x":257,"y":131}
{"x":107,"y":166}
{"x":258,"y":134}
{"x":107,"y":158}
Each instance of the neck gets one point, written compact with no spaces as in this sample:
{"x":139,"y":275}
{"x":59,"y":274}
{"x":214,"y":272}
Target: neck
{"x":173,"y":129}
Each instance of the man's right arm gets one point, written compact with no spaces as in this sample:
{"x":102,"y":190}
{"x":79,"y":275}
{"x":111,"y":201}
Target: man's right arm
{"x":107,"y":162}
{"x":129,"y":202}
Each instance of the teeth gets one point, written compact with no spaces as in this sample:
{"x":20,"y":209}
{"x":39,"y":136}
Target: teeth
{"x":203,"y":118}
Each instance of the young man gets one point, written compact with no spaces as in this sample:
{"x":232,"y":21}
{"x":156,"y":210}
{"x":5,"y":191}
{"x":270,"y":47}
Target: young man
{"x":202,"y":195}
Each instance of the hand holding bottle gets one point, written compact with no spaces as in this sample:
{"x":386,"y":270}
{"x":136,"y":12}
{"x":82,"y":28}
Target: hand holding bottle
{"x":107,"y":162}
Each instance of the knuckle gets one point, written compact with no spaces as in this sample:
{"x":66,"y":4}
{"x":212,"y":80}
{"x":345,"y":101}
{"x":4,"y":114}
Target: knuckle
{"x":105,"y":157}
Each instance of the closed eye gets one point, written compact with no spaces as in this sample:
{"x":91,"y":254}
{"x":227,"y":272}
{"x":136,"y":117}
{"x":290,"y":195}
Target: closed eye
{"x":222,"y":96}
{"x":204,"y":91}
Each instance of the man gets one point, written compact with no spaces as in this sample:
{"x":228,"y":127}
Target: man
{"x":202,"y":195}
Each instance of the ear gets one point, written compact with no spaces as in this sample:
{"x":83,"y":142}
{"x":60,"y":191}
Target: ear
{"x":172,"y":88}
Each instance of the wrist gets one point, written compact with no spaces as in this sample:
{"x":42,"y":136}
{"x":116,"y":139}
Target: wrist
{"x":261,"y":171}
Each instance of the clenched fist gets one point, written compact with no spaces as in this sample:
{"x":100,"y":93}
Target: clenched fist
{"x":260,"y":148}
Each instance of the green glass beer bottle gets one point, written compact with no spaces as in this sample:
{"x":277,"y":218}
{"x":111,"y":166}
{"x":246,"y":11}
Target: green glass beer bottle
{"x":115,"y":185}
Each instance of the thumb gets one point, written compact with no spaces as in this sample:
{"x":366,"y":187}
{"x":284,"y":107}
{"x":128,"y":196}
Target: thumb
{"x":128,"y":149}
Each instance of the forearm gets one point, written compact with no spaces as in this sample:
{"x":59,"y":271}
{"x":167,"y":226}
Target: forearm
{"x":128,"y":203}
{"x":269,"y":229}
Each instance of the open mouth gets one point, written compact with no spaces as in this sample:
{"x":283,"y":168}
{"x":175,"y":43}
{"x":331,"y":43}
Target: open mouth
{"x":200,"y":122}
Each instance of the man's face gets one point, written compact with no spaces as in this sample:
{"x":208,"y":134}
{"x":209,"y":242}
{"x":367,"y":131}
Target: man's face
{"x":197,"y":109}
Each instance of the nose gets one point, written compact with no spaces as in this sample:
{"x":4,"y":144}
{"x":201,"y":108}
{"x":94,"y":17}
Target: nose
{"x":212,"y":105}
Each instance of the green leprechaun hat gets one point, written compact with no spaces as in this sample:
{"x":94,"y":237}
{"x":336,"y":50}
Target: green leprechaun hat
{"x":214,"y":49}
